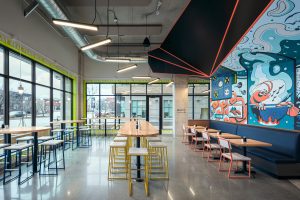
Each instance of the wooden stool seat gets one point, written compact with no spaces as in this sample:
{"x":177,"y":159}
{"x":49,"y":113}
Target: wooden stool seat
{"x":52,"y":142}
{"x":133,"y":151}
{"x":18,"y":146}
{"x":25,"y":138}
{"x":118,"y":144}
{"x":157,"y":144}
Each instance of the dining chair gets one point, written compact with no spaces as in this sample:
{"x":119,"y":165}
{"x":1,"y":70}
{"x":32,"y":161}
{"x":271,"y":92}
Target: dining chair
{"x":226,"y":154}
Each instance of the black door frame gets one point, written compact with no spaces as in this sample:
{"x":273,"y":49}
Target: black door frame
{"x":160,"y":110}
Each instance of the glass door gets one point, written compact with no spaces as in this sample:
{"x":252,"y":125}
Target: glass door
{"x":154,"y":111}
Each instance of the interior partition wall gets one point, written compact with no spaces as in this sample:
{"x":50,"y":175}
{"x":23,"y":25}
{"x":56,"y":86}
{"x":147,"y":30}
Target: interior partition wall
{"x":47,"y":94}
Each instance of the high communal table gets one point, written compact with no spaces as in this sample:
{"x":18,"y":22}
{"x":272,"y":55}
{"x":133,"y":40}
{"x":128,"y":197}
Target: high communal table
{"x":145,"y":129}
{"x":64,"y":122}
{"x":7,"y":132}
{"x":244,"y":145}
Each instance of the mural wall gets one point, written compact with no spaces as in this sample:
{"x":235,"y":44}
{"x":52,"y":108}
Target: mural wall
{"x":267,"y":69}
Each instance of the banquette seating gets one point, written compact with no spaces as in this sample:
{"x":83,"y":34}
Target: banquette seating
{"x":281,"y":160}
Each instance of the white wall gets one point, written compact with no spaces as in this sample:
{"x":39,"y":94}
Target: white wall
{"x":34,"y":32}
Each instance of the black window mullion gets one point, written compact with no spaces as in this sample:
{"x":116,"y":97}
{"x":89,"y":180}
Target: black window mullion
{"x":64,"y":98}
{"x":6,"y":87}
{"x":33,"y":95}
{"x":51,"y":95}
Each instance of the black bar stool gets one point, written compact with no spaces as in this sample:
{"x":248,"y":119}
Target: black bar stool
{"x":52,"y":145}
{"x":28,"y":140}
{"x":85,"y":137}
{"x":18,"y":148}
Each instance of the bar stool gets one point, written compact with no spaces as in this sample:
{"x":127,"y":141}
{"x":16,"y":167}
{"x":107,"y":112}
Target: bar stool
{"x":27,"y":139}
{"x":158,"y":151}
{"x":52,"y":145}
{"x":85,"y":139}
{"x":151,"y":139}
{"x":18,"y":148}
{"x":117,"y":164}
{"x":69,"y":138}
{"x":133,"y":151}
{"x":2,"y":146}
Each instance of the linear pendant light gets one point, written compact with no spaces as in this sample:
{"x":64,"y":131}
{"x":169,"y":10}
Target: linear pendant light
{"x":141,"y":77}
{"x":154,"y":81}
{"x":97,"y":44}
{"x":169,"y":84}
{"x":127,"y":68}
{"x":117,"y":60}
{"x":61,"y":22}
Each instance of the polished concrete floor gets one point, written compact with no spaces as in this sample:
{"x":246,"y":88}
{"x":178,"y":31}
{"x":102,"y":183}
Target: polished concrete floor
{"x":191,"y":177}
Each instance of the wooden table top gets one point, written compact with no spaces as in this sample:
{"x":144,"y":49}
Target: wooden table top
{"x":146,"y":129}
{"x":210,"y":130}
{"x":195,"y":127}
{"x":19,"y":130}
{"x":225,"y":135}
{"x":249,"y":143}
{"x":68,"y":121}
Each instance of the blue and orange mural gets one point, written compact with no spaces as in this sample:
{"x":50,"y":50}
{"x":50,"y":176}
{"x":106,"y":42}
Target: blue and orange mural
{"x":266,"y":64}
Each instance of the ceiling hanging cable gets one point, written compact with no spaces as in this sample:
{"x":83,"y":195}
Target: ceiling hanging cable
{"x":128,"y":67}
{"x":20,"y":88}
{"x":68,"y":23}
{"x":103,"y":42}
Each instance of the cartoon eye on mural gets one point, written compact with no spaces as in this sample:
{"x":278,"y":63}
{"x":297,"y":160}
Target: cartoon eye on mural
{"x":264,"y":63}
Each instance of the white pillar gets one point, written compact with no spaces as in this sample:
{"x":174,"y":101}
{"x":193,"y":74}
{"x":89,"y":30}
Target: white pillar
{"x":180,"y":104}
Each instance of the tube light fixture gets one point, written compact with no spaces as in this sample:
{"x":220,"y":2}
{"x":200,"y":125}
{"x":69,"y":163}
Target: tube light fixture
{"x":206,"y":91}
{"x":127,"y":68}
{"x":153,"y":81}
{"x":61,"y":22}
{"x":117,"y":60}
{"x":169,"y":84}
{"x":97,"y":44}
{"x":141,"y":77}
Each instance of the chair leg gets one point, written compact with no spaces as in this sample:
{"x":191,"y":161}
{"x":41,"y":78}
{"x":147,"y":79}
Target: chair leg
{"x":229,"y":170}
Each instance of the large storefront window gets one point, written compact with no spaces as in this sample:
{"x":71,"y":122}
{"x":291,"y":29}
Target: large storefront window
{"x":58,"y":105}
{"x":1,"y":101}
{"x":20,"y":105}
{"x":35,"y":78}
{"x":42,"y":106}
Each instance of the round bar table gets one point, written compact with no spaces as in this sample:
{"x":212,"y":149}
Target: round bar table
{"x":145,"y":129}
{"x":19,"y":130}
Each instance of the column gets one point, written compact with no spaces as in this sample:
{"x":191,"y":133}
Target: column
{"x":180,"y":104}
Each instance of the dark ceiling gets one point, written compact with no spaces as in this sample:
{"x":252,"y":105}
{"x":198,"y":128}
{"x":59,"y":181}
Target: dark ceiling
{"x":204,"y":34}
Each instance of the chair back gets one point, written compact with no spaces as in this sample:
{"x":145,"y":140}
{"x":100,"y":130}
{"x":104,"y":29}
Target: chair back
{"x":183,"y":128}
{"x":205,"y":136}
{"x":193,"y":130}
{"x":225,"y":144}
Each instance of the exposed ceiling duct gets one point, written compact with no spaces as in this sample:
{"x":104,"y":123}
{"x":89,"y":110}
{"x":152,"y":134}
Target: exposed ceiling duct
{"x":55,"y":12}
{"x":51,"y":7}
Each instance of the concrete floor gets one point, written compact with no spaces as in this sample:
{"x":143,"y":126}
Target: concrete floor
{"x":191,"y":177}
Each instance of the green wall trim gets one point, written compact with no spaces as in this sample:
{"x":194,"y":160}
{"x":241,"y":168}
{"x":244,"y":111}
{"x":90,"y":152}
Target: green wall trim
{"x":84,"y":99}
{"x":74,"y":97}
